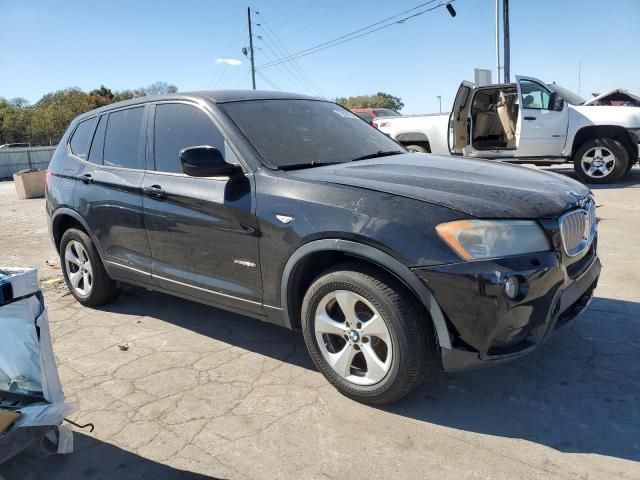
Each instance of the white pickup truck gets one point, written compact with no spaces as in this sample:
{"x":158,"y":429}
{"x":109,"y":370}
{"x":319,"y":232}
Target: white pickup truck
{"x":528,"y":121}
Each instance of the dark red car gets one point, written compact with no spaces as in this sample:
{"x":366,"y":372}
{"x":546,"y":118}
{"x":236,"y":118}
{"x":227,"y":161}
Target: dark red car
{"x":368,"y":114}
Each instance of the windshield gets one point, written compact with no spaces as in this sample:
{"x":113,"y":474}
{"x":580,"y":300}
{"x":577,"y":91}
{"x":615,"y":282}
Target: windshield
{"x":385,"y":112}
{"x":568,"y":95}
{"x":306,"y":132}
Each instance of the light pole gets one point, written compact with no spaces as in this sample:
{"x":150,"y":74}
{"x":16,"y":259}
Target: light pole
{"x":439,"y":97}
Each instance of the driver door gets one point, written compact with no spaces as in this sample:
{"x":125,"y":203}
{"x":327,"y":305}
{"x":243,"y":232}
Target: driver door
{"x":459,"y":123}
{"x":541,"y":131}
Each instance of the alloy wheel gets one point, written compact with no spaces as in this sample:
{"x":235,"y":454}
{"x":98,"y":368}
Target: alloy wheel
{"x":598,"y":162}
{"x":353,"y":337}
{"x":78,"y":268}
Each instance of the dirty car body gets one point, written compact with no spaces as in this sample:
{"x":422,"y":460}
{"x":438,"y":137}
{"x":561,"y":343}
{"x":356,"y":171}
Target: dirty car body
{"x":304,"y":195}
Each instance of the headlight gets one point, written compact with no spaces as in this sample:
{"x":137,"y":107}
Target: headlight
{"x":477,"y":239}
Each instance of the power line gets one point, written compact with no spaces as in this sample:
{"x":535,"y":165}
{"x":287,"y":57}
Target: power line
{"x":273,"y":85}
{"x":271,"y":35}
{"x":296,"y":71}
{"x":351,"y":36}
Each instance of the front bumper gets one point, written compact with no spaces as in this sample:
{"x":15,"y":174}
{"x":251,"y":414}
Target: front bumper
{"x":485,"y":326}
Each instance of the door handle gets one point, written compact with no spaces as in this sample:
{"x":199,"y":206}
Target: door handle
{"x":529,"y":118}
{"x":86,"y":178}
{"x":155,"y":191}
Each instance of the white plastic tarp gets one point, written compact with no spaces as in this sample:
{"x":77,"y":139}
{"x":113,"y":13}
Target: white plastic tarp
{"x":26,"y":354}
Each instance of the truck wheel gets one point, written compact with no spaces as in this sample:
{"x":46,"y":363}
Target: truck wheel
{"x":416,"y":149}
{"x":366,"y":335}
{"x":83,"y":271}
{"x":601,"y":160}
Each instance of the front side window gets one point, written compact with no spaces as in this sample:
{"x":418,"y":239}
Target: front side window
{"x":179,"y":126}
{"x":534,"y":95}
{"x":291,"y":133}
{"x":79,"y":143}
{"x":122,"y":138}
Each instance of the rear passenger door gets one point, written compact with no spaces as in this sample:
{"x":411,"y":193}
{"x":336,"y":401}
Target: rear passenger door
{"x":202,"y":231}
{"x":108,"y":193}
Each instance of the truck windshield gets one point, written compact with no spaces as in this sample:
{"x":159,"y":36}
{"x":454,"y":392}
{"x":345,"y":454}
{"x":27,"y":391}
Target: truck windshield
{"x":568,"y":95}
{"x":289,"y":132}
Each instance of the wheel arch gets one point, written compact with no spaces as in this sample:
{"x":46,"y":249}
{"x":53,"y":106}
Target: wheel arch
{"x":414,"y":138}
{"x":65,"y":218}
{"x":611,"y":131}
{"x":297,"y":273}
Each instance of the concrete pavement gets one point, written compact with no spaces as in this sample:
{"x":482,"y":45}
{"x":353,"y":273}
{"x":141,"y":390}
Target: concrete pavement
{"x":181,"y":390}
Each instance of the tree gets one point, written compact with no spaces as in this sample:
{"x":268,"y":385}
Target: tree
{"x":379,"y":100}
{"x":158,"y":88}
{"x":45,"y":122}
{"x":14,"y":120}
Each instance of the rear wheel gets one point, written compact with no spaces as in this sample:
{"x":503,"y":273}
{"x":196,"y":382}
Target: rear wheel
{"x":416,"y":148}
{"x":366,"y":335}
{"x":601,"y":160}
{"x":83,"y":270}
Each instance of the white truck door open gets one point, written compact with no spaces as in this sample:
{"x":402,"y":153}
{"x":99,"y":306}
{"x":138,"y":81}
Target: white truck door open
{"x":458,"y":124}
{"x":543,"y":119}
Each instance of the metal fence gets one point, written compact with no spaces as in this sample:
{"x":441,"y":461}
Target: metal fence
{"x":13,"y":160}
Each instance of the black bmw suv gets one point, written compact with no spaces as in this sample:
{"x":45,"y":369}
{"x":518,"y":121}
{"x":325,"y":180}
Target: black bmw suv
{"x":293,"y":210}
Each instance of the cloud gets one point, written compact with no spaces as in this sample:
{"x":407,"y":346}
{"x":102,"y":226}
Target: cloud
{"x":229,"y":61}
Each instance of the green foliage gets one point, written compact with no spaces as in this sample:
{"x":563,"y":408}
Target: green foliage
{"x":45,"y":122}
{"x":379,"y":100}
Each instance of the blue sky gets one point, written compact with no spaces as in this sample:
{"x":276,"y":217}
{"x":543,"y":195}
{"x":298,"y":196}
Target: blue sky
{"x":49,"y":45}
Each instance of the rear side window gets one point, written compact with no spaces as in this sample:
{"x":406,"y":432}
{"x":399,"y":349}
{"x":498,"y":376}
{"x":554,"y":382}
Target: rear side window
{"x":179,"y":126}
{"x":97,"y":145}
{"x":79,"y":143}
{"x":122,"y":138}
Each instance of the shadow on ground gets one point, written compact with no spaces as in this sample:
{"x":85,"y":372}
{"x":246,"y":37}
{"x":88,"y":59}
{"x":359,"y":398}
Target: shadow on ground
{"x":91,"y":460}
{"x":580,"y":392}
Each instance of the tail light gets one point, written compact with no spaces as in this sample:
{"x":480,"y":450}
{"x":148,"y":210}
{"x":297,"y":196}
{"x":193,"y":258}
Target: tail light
{"x":47,"y":176}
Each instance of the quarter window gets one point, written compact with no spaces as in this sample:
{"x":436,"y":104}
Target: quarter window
{"x":79,"y":143}
{"x":179,"y":126}
{"x":534,"y":95}
{"x":122,"y":138}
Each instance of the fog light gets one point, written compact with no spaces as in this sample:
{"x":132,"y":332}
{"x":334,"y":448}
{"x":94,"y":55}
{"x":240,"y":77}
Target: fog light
{"x":512,"y":287}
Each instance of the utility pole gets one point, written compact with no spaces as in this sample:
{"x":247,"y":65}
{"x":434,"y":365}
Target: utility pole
{"x":507,"y":52}
{"x":439,"y":97}
{"x":253,"y":67}
{"x":497,"y":41}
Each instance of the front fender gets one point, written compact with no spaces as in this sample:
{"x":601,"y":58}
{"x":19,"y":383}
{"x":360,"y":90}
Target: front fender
{"x":371,"y":254}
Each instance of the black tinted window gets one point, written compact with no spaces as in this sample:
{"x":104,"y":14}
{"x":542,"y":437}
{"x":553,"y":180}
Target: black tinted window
{"x":122,"y":138}
{"x":367,"y":117}
{"x":297,"y":132}
{"x":95,"y":152}
{"x":178,"y":126}
{"x":80,"y":140}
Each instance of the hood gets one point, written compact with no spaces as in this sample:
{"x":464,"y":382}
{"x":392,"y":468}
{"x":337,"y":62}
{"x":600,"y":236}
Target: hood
{"x":628,"y":117}
{"x":481,"y":188}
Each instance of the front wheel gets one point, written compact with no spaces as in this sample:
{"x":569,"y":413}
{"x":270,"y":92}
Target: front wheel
{"x":366,"y":335}
{"x":601,"y":160}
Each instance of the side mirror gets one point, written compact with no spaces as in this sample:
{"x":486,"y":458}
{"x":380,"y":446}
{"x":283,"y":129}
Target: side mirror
{"x":205,"y":161}
{"x":556,"y":102}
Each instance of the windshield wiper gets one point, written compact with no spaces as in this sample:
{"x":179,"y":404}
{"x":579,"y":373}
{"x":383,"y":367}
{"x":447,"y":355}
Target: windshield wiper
{"x":298,"y":166}
{"x":379,"y":153}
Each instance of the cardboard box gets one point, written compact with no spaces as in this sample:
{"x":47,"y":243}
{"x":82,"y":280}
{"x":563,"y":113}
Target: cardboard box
{"x":7,"y":418}
{"x":29,"y":183}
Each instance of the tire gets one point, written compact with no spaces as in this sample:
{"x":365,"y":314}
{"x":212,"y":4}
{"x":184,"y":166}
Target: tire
{"x":613,"y":161}
{"x":408,"y":332}
{"x":416,"y":149}
{"x":92,"y":287}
